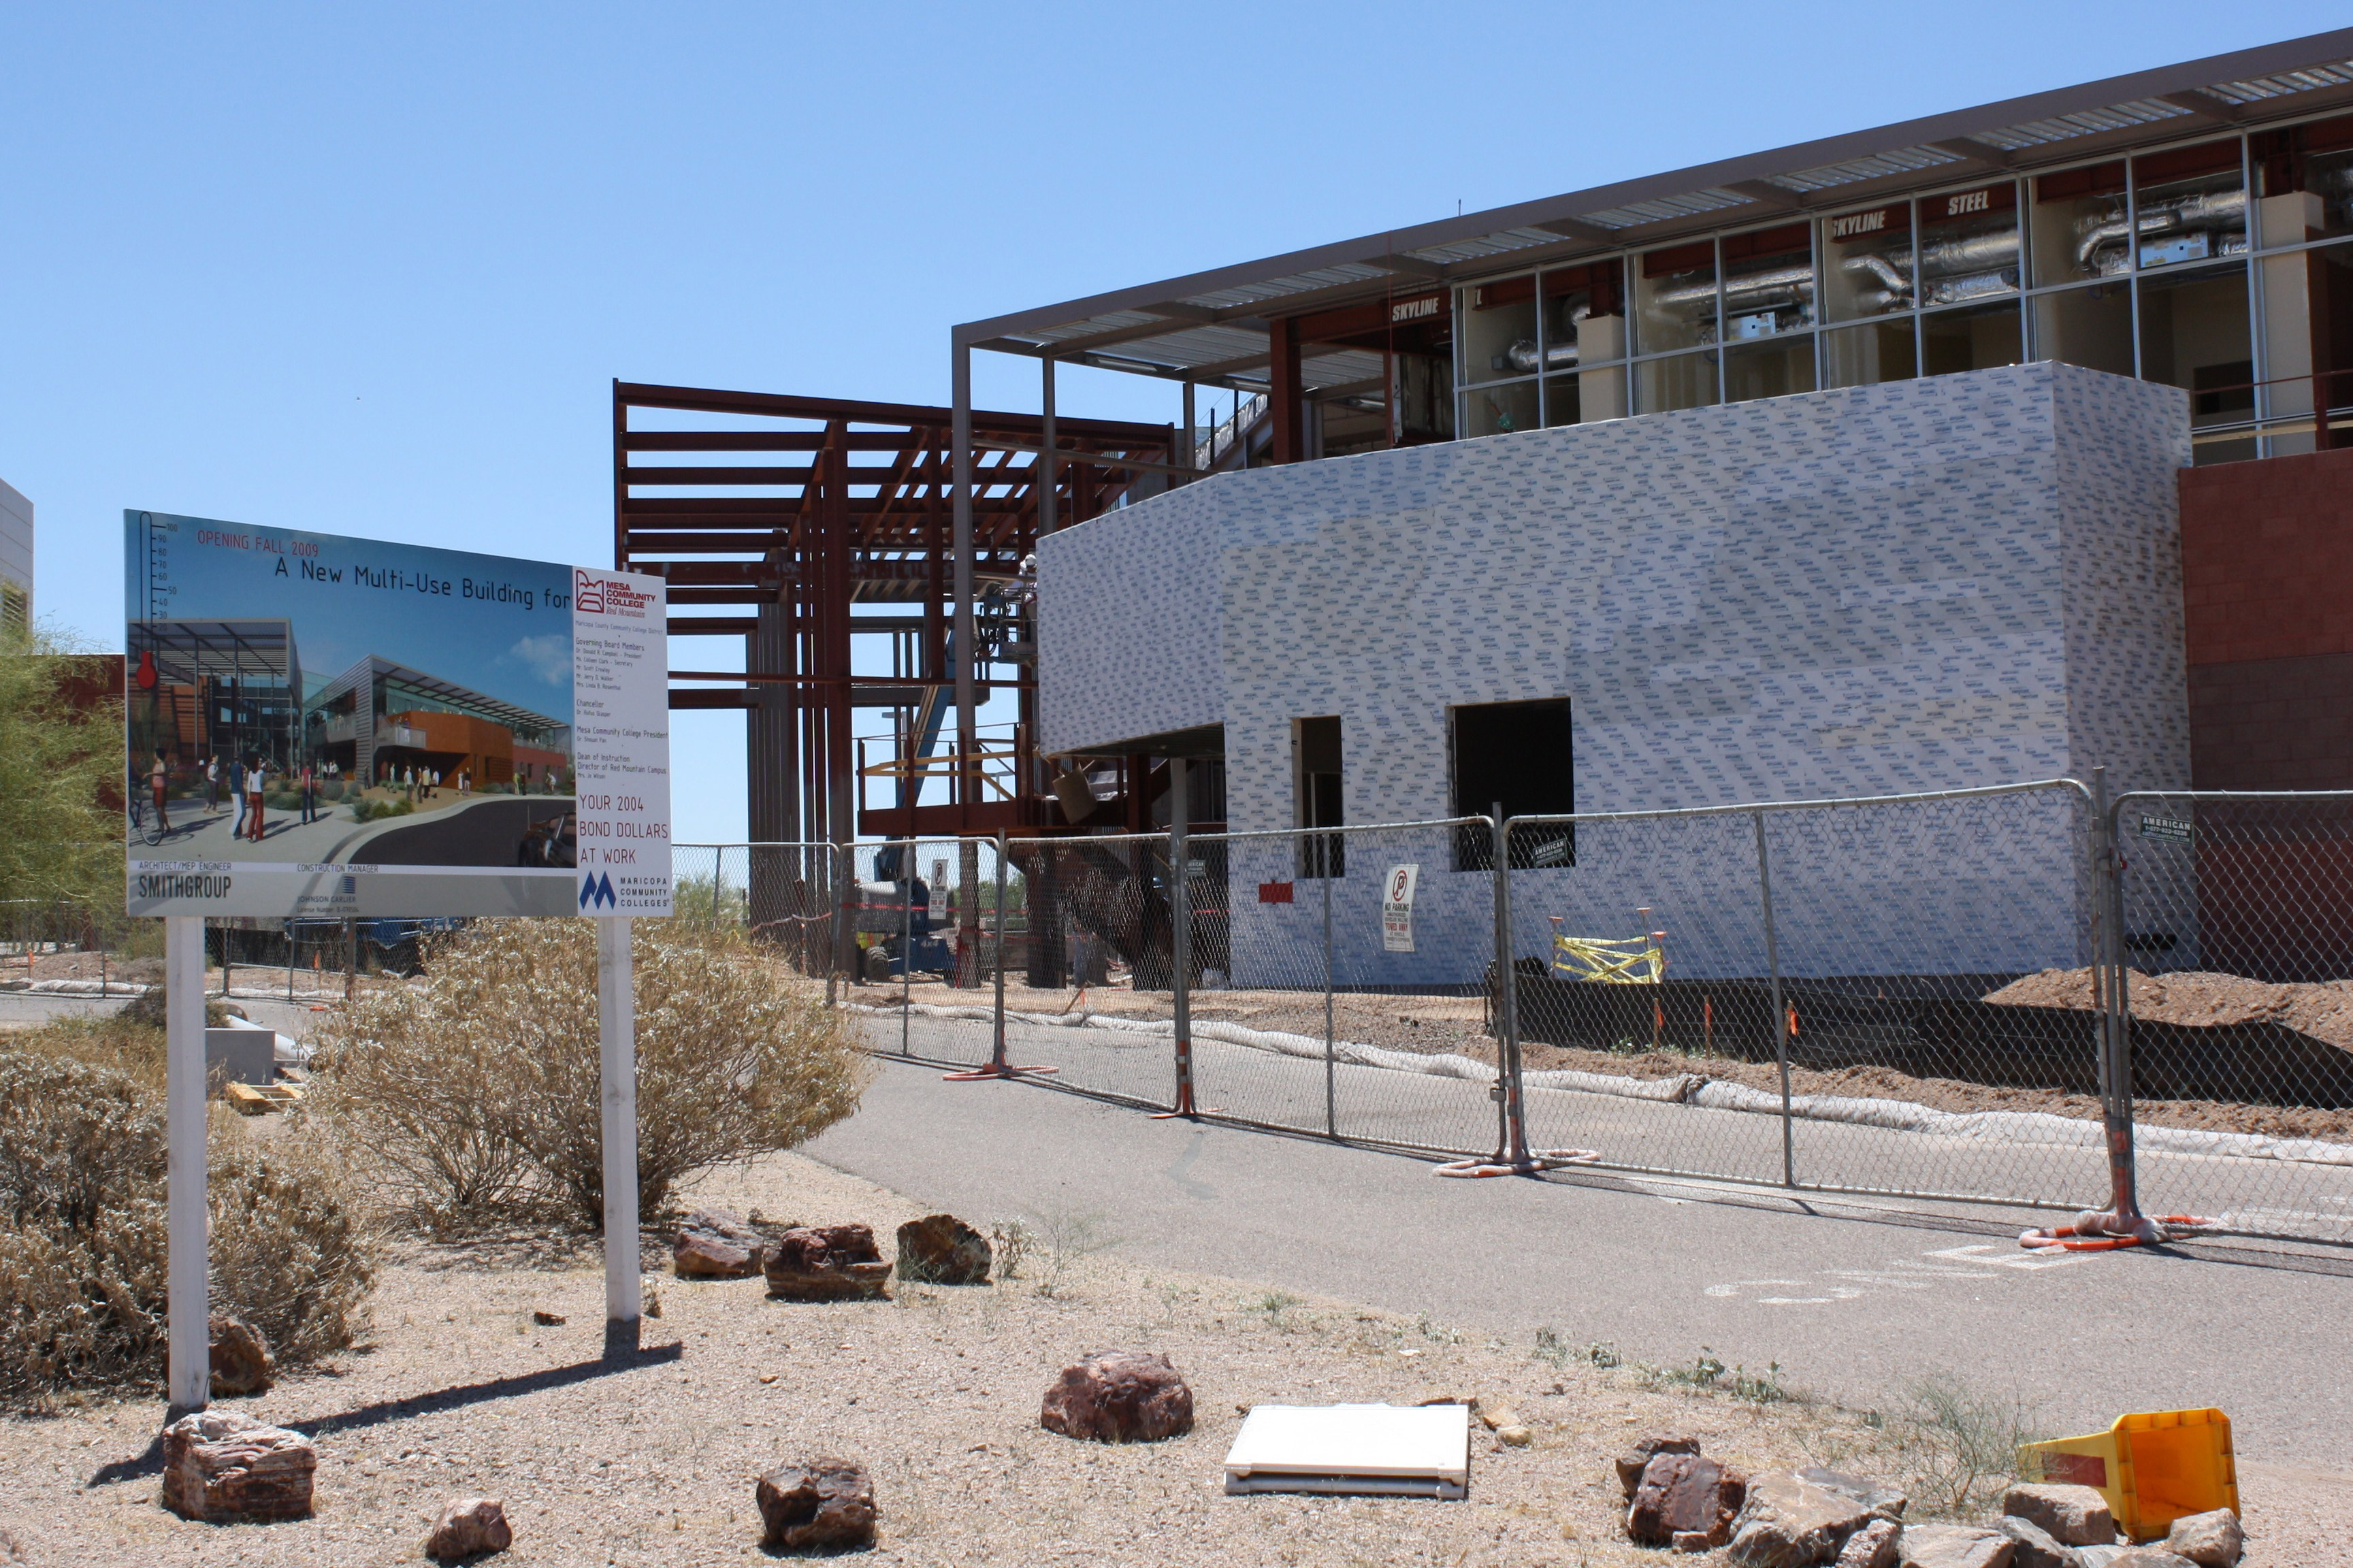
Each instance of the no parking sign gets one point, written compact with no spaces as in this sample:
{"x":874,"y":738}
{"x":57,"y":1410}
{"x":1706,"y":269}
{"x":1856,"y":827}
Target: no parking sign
{"x":1397,"y":908}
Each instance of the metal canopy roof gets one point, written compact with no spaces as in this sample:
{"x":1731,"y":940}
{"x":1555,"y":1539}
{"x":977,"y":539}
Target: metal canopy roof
{"x":1210,"y":327}
{"x":190,"y":650}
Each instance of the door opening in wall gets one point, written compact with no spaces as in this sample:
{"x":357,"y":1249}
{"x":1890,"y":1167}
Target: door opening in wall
{"x":1518,"y":754}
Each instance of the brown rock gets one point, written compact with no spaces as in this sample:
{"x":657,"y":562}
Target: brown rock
{"x":545,"y":1319}
{"x":1787,"y":1522}
{"x":469,"y":1527}
{"x":1882,"y":1500}
{"x":1516,"y":1435}
{"x":1953,"y":1546}
{"x":825,"y":1505}
{"x":1872,"y":1546}
{"x":241,"y":1363}
{"x":2035,"y":1547}
{"x":1693,"y":1541}
{"x":1685,"y":1494}
{"x":2148,"y":1557}
{"x":220,"y":1465}
{"x":826,"y":1263}
{"x":1631,"y":1463}
{"x":713,"y":1244}
{"x":2209,"y":1540}
{"x":2075,"y":1516}
{"x":941,"y":1249}
{"x":1119,"y":1396}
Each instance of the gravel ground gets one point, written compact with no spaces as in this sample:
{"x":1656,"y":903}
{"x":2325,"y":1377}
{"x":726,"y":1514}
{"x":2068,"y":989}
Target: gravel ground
{"x":937,"y":1391}
{"x":460,"y":1392}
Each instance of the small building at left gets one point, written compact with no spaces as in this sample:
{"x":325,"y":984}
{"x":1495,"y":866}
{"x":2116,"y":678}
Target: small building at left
{"x":15,"y":558}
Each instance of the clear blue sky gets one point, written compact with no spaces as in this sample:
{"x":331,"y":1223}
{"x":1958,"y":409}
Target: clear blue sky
{"x":371,"y":269}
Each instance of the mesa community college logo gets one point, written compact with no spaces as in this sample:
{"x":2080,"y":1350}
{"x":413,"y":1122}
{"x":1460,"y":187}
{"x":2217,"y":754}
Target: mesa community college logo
{"x":596,"y":596}
{"x":597,"y":890}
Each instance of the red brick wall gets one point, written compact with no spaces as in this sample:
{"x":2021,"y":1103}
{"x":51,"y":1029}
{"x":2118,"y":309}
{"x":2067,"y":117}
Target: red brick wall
{"x":2267,"y":601}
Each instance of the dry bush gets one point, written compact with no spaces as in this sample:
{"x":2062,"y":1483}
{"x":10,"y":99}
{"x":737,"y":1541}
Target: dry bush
{"x":82,"y":1224}
{"x":479,"y":1089}
{"x":118,"y":1041}
{"x":291,"y":1252}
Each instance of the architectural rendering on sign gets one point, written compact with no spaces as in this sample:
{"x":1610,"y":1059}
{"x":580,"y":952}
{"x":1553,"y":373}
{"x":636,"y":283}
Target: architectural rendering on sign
{"x":435,"y":775}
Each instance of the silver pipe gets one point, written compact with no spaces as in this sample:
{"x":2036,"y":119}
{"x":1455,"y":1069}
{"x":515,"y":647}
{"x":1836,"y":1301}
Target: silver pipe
{"x":2200,"y":210}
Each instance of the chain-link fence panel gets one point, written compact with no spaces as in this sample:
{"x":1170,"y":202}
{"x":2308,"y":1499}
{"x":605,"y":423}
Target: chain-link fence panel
{"x":1089,"y":987}
{"x":65,"y":947}
{"x":1822,"y":995}
{"x":1644,"y":992}
{"x":2237,"y":941}
{"x":921,"y":960}
{"x":1339,"y":980}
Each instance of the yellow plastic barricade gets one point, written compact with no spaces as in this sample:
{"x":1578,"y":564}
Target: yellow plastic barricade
{"x":2153,"y":1467}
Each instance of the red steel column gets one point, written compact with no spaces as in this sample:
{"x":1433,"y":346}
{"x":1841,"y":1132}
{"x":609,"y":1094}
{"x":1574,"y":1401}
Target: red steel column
{"x":1287,"y":408}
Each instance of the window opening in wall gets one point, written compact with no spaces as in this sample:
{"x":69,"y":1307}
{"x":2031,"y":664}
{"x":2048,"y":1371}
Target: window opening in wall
{"x":1319,"y":801}
{"x":2194,"y":334}
{"x":1499,"y":331}
{"x":1519,"y":753}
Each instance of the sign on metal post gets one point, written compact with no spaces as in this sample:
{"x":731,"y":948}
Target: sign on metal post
{"x":326,"y":727}
{"x":1397,"y":908}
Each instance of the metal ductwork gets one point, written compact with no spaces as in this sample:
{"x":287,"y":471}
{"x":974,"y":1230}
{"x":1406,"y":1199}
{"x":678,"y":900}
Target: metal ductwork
{"x":1522,"y":355}
{"x":2100,"y":245}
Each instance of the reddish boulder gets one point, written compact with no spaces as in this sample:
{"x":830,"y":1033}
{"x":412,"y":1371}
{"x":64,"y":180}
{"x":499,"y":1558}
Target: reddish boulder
{"x":469,"y":1527}
{"x":826,"y":1263}
{"x":1684,"y":1495}
{"x":1631,"y":1463}
{"x":941,"y":1249}
{"x":1119,"y":1396}
{"x":240,"y":1355}
{"x":221,"y":1466}
{"x":713,"y":1244}
{"x":825,"y":1505}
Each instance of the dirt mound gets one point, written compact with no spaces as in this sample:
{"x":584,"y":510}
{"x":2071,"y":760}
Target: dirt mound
{"x":2322,"y":1010}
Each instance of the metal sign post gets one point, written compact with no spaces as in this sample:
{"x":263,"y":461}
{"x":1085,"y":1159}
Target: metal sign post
{"x":189,"y":1373}
{"x":616,"y":1029}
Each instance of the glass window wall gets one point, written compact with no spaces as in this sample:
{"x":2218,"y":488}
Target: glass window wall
{"x":1867,"y":263}
{"x":2189,"y":205}
{"x":1498,"y":333}
{"x":1501,"y":409}
{"x":1680,"y":380}
{"x":2090,"y":325}
{"x":2079,"y":225}
{"x":1864,"y":356}
{"x":1769,"y":369}
{"x":2224,"y":267}
{"x":1976,"y":337}
{"x":2194,"y":335}
{"x":1674,"y":299}
{"x":1968,"y":244}
{"x":1768,"y":283}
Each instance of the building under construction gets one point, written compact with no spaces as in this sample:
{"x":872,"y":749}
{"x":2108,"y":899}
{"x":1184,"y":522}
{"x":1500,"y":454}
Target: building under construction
{"x":1823,"y":390}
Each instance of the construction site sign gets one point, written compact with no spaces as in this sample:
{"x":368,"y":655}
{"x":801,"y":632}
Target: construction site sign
{"x":326,"y":727}
{"x":1397,"y":908}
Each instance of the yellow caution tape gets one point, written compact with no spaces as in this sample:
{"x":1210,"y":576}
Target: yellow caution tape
{"x":1619,"y":961}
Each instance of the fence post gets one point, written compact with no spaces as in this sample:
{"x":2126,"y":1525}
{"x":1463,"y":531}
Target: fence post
{"x":1180,"y":932}
{"x":1511,"y":1139}
{"x":997,"y":1045}
{"x":1780,"y":1012}
{"x":2124,"y":1216}
{"x":1331,"y":1091}
{"x":188,"y":1362}
{"x":906,"y":942}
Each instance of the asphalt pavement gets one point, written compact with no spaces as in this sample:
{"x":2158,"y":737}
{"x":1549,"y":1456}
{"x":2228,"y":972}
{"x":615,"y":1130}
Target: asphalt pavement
{"x":1851,"y":1298}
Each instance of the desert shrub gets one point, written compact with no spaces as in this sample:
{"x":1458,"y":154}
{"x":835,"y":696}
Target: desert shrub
{"x":479,"y":1090}
{"x":82,"y":1227}
{"x":291,"y":1252}
{"x":1957,"y":1444}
